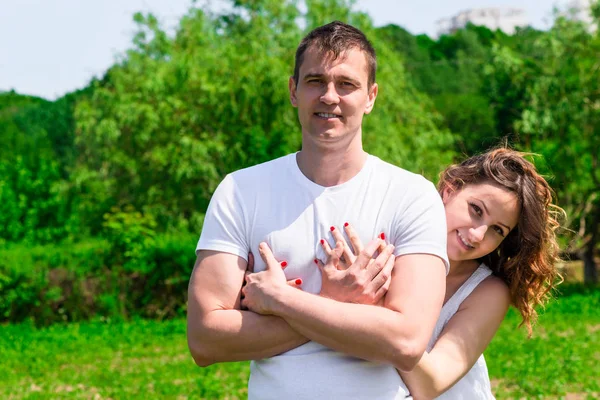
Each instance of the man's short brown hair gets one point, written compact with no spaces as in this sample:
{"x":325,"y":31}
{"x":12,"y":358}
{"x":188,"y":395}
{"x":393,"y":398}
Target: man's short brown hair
{"x":335,"y":38}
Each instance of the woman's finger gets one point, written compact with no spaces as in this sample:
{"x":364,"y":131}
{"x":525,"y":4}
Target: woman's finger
{"x":267,"y":255}
{"x":333,"y":261}
{"x":355,"y":242}
{"x":366,"y":254}
{"x":380,"y":262}
{"x":326,"y":247}
{"x":319,"y":264}
{"x":381,"y":283}
{"x":348,"y":255}
{"x":297,"y":283}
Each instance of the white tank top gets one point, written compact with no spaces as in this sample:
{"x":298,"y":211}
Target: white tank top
{"x":475,"y":385}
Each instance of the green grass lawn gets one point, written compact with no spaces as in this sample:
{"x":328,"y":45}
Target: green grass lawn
{"x":149,"y":359}
{"x":561,"y":360}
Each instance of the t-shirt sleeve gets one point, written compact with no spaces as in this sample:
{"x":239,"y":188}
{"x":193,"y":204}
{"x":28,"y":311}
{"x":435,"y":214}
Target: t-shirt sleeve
{"x":421,"y":225}
{"x":224,"y":223}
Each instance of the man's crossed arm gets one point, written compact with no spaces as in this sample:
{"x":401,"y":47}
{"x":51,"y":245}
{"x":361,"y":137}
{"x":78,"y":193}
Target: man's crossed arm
{"x":217,"y":330}
{"x":397,"y":334}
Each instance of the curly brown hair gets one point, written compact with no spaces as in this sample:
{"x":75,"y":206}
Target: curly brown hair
{"x":526,"y":259}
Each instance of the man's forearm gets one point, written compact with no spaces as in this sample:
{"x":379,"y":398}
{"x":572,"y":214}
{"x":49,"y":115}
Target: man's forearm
{"x":233,"y":335}
{"x":368,"y":332}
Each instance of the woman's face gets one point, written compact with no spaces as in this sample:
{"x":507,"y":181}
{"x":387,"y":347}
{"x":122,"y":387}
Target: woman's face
{"x":478,"y":218}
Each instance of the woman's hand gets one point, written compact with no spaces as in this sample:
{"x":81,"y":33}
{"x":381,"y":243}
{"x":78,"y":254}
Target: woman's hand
{"x":354,"y":274}
{"x":260,"y":289}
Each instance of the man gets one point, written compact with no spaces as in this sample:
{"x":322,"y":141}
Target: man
{"x":334,"y":350}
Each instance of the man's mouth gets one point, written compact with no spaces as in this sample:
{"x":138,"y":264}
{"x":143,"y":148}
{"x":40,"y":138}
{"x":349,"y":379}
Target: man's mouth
{"x":327,"y":115}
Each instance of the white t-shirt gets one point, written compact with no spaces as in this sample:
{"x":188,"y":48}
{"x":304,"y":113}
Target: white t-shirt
{"x":274,"y":202}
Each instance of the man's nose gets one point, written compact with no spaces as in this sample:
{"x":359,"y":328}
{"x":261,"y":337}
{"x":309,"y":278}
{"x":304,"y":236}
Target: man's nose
{"x":330,"y":96}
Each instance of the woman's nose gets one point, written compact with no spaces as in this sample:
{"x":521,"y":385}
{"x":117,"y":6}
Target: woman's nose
{"x":477,"y":234}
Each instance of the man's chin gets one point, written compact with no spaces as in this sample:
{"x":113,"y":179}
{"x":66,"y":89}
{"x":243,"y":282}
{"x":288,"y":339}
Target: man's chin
{"x":324,"y":135}
{"x":331,"y":134}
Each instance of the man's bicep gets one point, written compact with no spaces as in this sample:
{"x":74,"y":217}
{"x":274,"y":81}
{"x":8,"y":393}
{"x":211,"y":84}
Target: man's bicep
{"x":216,"y":282}
{"x":417,"y":289}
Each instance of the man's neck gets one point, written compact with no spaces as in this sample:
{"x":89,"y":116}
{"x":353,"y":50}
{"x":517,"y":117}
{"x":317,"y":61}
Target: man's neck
{"x":331,"y":167}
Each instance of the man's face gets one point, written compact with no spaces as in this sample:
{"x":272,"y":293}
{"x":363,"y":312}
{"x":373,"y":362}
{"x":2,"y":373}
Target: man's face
{"x":332,"y":96}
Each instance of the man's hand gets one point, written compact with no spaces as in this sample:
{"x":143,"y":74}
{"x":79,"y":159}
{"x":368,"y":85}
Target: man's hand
{"x":261,"y":290}
{"x":357,"y":279}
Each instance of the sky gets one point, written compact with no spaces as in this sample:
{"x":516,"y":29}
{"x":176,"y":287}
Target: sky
{"x":52,"y":47}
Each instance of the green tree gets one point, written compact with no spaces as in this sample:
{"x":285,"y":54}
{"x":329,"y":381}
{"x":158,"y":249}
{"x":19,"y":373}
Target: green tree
{"x":555,"y":94}
{"x":450,"y":71}
{"x":33,"y":202}
{"x":176,"y":114}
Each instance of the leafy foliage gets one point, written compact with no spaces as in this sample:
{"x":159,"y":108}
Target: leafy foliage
{"x":139,"y":152}
{"x":553,"y":105}
{"x":33,"y":205}
{"x":132,"y":275}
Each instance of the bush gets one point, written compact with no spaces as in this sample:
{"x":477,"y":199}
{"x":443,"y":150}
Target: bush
{"x":131,"y":236}
{"x":71,"y":282}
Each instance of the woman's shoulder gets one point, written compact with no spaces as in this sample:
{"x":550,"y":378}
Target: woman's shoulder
{"x":491,"y":293}
{"x":490,"y":289}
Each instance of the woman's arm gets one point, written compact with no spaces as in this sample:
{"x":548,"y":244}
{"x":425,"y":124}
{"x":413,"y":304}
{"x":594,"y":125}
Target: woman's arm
{"x":462,"y":341}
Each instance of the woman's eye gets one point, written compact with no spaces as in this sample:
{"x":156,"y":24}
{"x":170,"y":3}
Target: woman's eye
{"x":499,"y":231}
{"x":477,"y":209}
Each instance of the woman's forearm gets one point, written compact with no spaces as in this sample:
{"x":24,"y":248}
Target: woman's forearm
{"x":435,"y":373}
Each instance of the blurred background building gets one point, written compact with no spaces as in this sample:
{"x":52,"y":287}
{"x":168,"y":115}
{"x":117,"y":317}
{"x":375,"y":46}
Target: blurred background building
{"x":503,"y":18}
{"x":580,"y":10}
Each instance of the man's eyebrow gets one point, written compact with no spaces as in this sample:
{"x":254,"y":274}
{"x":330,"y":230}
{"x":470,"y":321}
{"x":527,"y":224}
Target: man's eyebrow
{"x":349,"y":79}
{"x":312,"y":75}
{"x":488,"y":213}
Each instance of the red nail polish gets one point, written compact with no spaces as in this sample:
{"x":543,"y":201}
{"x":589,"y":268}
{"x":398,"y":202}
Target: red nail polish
{"x":332,"y":228}
{"x":316,"y":261}
{"x":298,"y":281}
{"x":382,"y":236}
{"x":322,"y":241}
{"x":346,"y":224}
{"x":283,"y":264}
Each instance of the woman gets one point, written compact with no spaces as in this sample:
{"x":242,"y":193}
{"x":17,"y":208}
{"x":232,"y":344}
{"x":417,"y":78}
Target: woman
{"x":502,"y":249}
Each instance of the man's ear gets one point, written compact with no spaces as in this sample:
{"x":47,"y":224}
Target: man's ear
{"x":372,"y":96}
{"x":292,"y":86}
